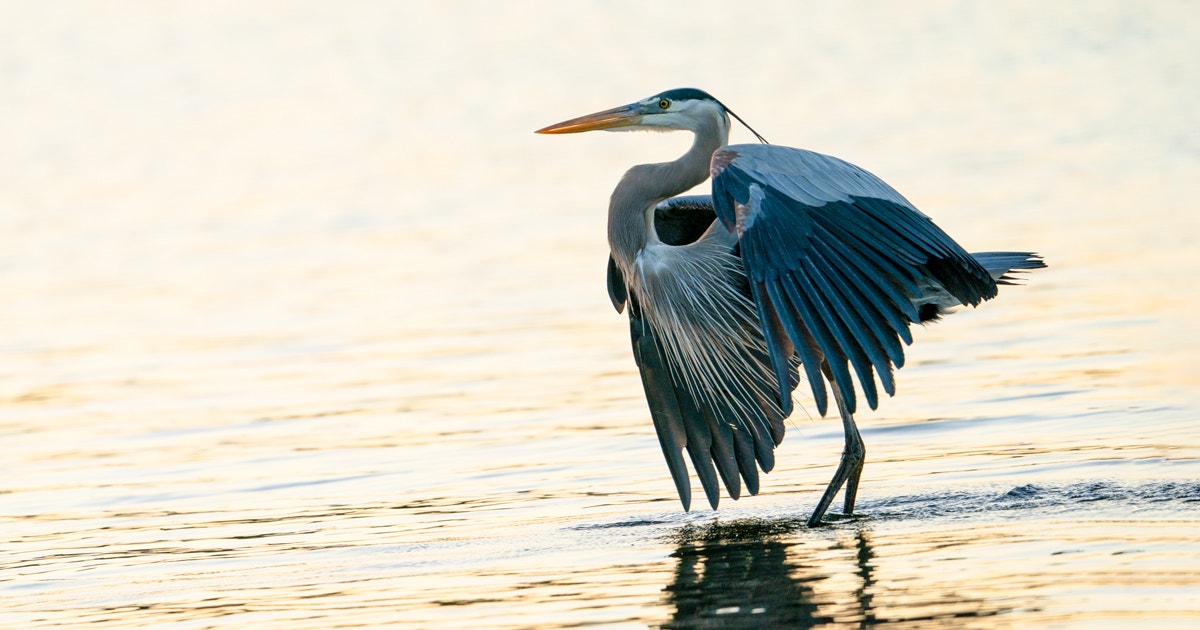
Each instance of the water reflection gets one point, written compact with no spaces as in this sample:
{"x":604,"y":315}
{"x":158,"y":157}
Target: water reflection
{"x":755,"y":573}
{"x":303,"y":325}
{"x":738,"y":575}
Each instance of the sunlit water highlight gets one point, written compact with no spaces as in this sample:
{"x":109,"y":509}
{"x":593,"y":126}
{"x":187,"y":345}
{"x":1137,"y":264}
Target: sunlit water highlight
{"x":303,"y":327}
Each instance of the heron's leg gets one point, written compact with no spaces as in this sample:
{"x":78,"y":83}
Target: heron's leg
{"x":849,"y":469}
{"x":856,"y":451}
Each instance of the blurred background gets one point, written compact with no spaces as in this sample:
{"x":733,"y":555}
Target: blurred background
{"x":302,"y":323}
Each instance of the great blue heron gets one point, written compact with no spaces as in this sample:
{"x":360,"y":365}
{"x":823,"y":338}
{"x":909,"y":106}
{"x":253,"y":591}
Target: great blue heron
{"x":796,"y":261}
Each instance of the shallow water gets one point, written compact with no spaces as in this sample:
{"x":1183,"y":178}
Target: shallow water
{"x":303,"y":326}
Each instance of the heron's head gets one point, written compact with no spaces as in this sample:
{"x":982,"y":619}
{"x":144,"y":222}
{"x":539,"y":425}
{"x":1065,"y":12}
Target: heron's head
{"x":679,"y":109}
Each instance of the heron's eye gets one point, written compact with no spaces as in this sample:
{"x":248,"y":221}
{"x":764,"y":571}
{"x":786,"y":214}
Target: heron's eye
{"x":664,"y":103}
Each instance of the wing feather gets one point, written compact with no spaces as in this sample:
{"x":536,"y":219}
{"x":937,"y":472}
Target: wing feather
{"x":665,"y":410}
{"x":834,"y":311}
{"x":743,"y":448}
{"x":806,"y":304}
{"x":859,"y":314}
{"x":727,"y":438}
{"x":775,"y":337}
{"x":838,"y":261}
{"x":806,"y":347}
{"x":872,"y":289}
{"x":699,"y":444}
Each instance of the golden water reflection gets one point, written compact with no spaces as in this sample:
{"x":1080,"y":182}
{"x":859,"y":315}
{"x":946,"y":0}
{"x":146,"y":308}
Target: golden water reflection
{"x":774,"y":573}
{"x":303,"y":326}
{"x":739,"y":578}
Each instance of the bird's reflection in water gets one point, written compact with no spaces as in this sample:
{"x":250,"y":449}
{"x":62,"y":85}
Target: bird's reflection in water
{"x":863,"y":563}
{"x":757,"y":573}
{"x":739,"y":575}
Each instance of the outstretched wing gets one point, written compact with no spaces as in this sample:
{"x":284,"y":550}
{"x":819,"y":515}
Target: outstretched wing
{"x":838,"y":262}
{"x":716,"y":444}
{"x":727,"y":438}
{"x":716,"y":447}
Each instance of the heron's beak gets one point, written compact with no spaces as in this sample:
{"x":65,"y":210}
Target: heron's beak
{"x":624,"y":116}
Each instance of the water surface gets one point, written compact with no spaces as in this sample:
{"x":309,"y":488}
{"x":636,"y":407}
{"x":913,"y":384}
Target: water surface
{"x":303,"y":327}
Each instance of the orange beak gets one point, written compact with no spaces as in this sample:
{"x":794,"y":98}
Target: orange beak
{"x":624,"y":116}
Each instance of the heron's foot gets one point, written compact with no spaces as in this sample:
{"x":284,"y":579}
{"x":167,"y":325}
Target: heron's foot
{"x":834,"y":518}
{"x":849,"y":471}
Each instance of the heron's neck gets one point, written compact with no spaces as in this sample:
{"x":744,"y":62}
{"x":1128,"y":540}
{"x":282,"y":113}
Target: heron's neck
{"x":631,"y":209}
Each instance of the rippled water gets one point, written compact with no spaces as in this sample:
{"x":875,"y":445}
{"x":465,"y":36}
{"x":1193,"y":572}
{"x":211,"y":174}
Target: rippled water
{"x":303,"y":327}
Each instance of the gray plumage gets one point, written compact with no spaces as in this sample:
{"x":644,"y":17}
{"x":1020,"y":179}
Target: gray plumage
{"x":797,"y":262}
